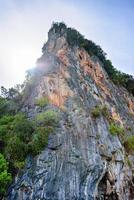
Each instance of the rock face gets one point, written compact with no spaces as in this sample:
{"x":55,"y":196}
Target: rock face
{"x":82,"y":160}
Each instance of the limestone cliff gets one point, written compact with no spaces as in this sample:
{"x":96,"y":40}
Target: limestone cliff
{"x":83,"y":160}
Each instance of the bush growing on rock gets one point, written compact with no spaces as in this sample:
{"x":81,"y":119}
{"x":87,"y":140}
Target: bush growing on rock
{"x":42,"y":102}
{"x":16,"y":150}
{"x":15,"y":131}
{"x":5,"y":177}
{"x":49,"y":118}
{"x":23,"y":127}
{"x":129,"y":144}
{"x":19,"y":164}
{"x":96,"y":111}
{"x":20,"y":136}
{"x":104,"y":111}
{"x":116,"y":129}
{"x":40,"y":139}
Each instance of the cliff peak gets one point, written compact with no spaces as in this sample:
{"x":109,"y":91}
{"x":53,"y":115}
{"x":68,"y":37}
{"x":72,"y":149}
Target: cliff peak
{"x":89,"y":151}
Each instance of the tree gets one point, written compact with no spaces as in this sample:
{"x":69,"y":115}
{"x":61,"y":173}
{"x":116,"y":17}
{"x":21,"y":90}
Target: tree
{"x":3,"y":106}
{"x":4,"y":92}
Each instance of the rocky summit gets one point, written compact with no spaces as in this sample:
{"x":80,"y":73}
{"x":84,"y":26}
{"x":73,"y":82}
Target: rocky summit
{"x":89,"y":155}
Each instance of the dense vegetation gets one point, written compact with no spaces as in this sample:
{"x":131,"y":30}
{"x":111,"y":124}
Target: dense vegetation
{"x":5,"y":177}
{"x":20,"y":136}
{"x":74,"y":38}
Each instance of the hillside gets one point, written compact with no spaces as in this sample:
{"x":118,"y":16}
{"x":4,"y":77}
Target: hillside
{"x":74,"y":138}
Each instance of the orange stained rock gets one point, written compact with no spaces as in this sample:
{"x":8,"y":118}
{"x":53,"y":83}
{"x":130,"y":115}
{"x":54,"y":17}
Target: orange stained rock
{"x":94,"y":70}
{"x":116,"y":116}
{"x":64,"y":72}
{"x":62,"y":55}
{"x":130,"y":102}
{"x":131,"y":105}
{"x":57,"y":89}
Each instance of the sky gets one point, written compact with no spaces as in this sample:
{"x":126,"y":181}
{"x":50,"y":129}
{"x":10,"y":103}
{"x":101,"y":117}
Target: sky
{"x":24,"y":25}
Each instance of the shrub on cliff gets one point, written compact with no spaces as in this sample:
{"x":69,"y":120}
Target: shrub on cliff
{"x":40,"y":139}
{"x":16,"y":150}
{"x":20,"y":136}
{"x":5,"y":177}
{"x":129,"y":144}
{"x":49,"y":117}
{"x":96,"y":112}
{"x":116,"y":129}
{"x":42,"y":102}
{"x":23,"y":128}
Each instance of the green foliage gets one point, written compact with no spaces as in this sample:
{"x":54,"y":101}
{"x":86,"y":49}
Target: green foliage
{"x":5,"y":177}
{"x":20,"y":136}
{"x":100,"y":109}
{"x":19,"y":164}
{"x":104,"y":111}
{"x":116,"y":129}
{"x":74,"y":38}
{"x":129,"y":162}
{"x":96,"y":112}
{"x":5,"y":129}
{"x":3,"y":106}
{"x":129,"y":144}
{"x":15,"y":133}
{"x":6,"y":119}
{"x":42,"y":102}
{"x":49,"y":117}
{"x":17,"y":125}
{"x":23,"y":128}
{"x":16,"y":149}
{"x":7,"y":106}
{"x":12,"y":95}
{"x":40,"y":139}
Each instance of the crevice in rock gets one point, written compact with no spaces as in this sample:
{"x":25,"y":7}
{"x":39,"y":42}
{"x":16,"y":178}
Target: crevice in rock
{"x":105,"y":189}
{"x":131,"y":188}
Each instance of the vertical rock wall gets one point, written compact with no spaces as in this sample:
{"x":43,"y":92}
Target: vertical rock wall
{"x":82,"y":161}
